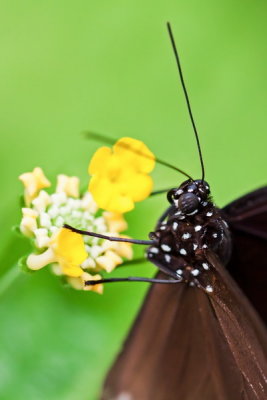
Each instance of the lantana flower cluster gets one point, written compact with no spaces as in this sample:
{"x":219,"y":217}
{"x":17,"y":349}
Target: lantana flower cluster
{"x":78,"y":258}
{"x":120,"y":178}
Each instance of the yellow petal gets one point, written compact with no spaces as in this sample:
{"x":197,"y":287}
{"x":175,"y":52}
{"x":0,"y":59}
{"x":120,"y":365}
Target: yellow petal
{"x":99,"y":160}
{"x":119,"y":204}
{"x":140,"y":187}
{"x":101,"y":190}
{"x":71,"y":270}
{"x":120,"y":177}
{"x":70,"y":251}
{"x":135,"y":152}
{"x":108,"y":196}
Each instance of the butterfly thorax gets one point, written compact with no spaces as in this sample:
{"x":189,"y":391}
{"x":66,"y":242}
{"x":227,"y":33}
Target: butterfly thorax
{"x":192,"y":226}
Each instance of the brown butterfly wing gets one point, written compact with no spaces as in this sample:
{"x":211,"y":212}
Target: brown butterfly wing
{"x":190,"y":345}
{"x":247,"y":218}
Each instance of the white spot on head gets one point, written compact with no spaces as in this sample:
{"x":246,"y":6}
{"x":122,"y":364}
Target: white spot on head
{"x":175,"y":226}
{"x":209,"y":213}
{"x":205,"y":266}
{"x":190,"y":190}
{"x":179,"y":191}
{"x":183,"y":252}
{"x":154,"y":250}
{"x":186,"y":235}
{"x":165,"y":247}
{"x":207,"y":187}
{"x":193,"y":212}
{"x":179,"y":272}
{"x":167,"y":257}
{"x":198,"y":228}
{"x":215,"y":235}
{"x":209,"y":289}
{"x":163,"y":227}
{"x":204,"y":246}
{"x":195,"y":272}
{"x":194,"y":246}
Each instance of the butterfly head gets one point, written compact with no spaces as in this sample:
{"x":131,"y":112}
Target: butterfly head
{"x":190,"y":196}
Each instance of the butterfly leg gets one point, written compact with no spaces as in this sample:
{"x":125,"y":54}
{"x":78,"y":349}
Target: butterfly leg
{"x":132,"y":279}
{"x":112,"y":239}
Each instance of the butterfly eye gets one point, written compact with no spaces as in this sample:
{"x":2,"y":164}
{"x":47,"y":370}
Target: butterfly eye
{"x":188,"y":203}
{"x":172,"y":195}
{"x":203,"y":187}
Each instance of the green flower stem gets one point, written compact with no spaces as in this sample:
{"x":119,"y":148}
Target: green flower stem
{"x":9,"y":277}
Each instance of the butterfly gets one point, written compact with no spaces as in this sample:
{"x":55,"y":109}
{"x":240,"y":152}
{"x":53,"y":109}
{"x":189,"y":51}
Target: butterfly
{"x":197,"y":336}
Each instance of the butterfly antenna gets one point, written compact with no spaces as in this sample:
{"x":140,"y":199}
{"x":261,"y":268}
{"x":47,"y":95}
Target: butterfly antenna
{"x":186,"y":97}
{"x":105,"y":139}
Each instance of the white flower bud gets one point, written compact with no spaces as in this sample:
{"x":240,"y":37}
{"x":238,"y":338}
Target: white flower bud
{"x":88,"y":263}
{"x":38,"y":261}
{"x":89,"y":204}
{"x":41,"y":202}
{"x":68,"y":184}
{"x":109,"y":261}
{"x":45,"y":221}
{"x":28,"y":223}
{"x":41,"y":238}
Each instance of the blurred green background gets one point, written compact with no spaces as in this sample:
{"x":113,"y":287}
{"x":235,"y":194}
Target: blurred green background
{"x":67,"y":66}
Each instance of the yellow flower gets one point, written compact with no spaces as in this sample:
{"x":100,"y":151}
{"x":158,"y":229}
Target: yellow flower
{"x":120,"y":175}
{"x":67,"y":249}
{"x":33,"y":182}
